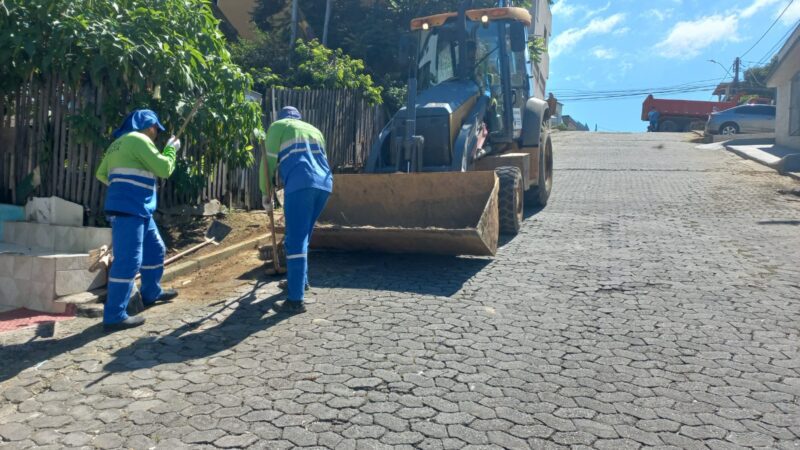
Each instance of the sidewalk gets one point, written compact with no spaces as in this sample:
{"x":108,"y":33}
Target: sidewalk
{"x":783,"y":159}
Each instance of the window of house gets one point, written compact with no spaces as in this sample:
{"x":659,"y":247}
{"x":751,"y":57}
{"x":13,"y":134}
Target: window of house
{"x":794,"y":106}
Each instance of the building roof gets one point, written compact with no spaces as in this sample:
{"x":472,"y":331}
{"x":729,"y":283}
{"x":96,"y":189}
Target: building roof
{"x":788,"y":48}
{"x":722,"y":88}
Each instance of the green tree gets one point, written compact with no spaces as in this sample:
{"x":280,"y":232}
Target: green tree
{"x":313,"y":66}
{"x":370,"y":30}
{"x":161,"y":54}
{"x":756,"y":76}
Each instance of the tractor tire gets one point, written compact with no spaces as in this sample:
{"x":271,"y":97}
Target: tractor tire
{"x":538,"y":195}
{"x":510,"y":199}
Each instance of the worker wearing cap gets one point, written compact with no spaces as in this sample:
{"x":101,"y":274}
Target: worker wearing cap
{"x":297,"y":150}
{"x":130,"y":168}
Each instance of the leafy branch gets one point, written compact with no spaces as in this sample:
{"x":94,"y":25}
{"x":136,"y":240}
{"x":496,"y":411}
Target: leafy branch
{"x":160,"y":54}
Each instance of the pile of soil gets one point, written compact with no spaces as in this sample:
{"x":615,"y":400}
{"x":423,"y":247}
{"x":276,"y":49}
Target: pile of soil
{"x":183,"y":232}
{"x":222,"y":279}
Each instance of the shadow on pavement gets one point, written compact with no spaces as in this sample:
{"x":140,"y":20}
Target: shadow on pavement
{"x":18,"y":357}
{"x":231,"y":321}
{"x":187,"y":342}
{"x":779,"y":222}
{"x":420,"y":274}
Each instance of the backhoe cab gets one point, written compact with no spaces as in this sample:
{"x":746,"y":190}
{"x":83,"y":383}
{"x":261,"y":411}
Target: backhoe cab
{"x":470,"y":113}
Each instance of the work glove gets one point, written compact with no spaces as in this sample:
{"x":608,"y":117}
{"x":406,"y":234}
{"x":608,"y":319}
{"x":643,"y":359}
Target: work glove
{"x":174,"y":143}
{"x":266,"y":202}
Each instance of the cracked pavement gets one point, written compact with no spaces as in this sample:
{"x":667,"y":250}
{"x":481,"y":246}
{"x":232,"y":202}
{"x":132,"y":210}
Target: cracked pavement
{"x":654,"y":303}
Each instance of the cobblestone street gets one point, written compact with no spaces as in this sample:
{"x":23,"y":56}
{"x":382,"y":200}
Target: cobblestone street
{"x":655,"y":302}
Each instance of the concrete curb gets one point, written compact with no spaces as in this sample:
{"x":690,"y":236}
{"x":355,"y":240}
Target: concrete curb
{"x":193,"y":264}
{"x":762,"y":158}
{"x":90,"y":304}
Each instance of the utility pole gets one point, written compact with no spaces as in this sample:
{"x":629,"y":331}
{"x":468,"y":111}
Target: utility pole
{"x":327,"y":21}
{"x":294,"y":24}
{"x":736,"y":66}
{"x":293,"y":35}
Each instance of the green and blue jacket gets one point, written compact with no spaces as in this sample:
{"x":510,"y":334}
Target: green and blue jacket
{"x":297,"y":150}
{"x":130,"y":168}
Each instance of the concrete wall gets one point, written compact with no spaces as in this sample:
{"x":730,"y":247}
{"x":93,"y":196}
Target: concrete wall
{"x":788,"y":68}
{"x":41,"y":262}
{"x":541,"y":26}
{"x":239,"y":15}
{"x":782,"y":125}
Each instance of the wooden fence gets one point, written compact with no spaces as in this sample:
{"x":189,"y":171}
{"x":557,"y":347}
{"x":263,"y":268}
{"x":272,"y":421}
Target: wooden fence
{"x":39,"y":148}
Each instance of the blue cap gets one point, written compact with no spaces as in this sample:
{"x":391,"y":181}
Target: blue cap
{"x":289,"y":112}
{"x":137,"y":120}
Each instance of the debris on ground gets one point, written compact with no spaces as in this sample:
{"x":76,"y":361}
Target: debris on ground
{"x":220,"y":280}
{"x":208,"y":209}
{"x":183,"y":232}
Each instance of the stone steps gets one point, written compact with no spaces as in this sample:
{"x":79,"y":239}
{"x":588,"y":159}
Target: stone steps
{"x":90,"y":303}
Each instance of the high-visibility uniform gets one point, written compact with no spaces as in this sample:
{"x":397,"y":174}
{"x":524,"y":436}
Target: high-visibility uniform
{"x":131,"y":168}
{"x":297,"y":150}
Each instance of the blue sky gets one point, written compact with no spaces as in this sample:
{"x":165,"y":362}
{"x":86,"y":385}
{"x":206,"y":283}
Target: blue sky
{"x":601,"y":45}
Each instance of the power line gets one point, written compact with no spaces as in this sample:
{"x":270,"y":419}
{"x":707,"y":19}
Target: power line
{"x":637,"y":94}
{"x":641,"y":89}
{"x":727,"y":73}
{"x":602,"y":96}
{"x":683,"y":86}
{"x":770,"y":27}
{"x":775,"y":47}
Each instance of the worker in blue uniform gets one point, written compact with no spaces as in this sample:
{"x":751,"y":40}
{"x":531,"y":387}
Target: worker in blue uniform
{"x":130,"y":168}
{"x":653,"y":117}
{"x":296,"y":150}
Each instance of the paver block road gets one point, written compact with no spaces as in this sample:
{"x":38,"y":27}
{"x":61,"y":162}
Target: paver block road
{"x":654,"y":303}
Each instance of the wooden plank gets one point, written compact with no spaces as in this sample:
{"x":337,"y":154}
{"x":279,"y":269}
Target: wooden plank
{"x":77,"y":155}
{"x":80,"y":167}
{"x":66,"y":95}
{"x":94,"y":198}
{"x":90,"y":157}
{"x":56,"y":106}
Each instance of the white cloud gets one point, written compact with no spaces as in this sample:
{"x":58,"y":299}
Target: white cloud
{"x":571,"y":37}
{"x":621,"y":31}
{"x":603,"y":53}
{"x":792,"y":14}
{"x":658,"y":14}
{"x":595,"y":11}
{"x":755,"y":7}
{"x":688,"y":38}
{"x":562,"y":8}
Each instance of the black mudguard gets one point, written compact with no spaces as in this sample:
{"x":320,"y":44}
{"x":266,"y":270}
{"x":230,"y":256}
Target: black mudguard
{"x":467,"y":139}
{"x":535,"y":113}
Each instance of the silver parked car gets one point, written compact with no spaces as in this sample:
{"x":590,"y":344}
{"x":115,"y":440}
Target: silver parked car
{"x":742,"y":119}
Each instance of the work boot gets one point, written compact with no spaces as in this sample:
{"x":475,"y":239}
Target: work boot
{"x":289,"y":307}
{"x":130,"y":322}
{"x":284,"y":285}
{"x":166,"y":296}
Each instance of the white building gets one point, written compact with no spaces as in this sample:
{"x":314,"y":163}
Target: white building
{"x":786,"y":77}
{"x":541,"y":27}
{"x":238,"y":13}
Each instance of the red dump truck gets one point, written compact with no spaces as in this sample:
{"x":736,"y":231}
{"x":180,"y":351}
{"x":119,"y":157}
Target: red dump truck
{"x":682,"y":115}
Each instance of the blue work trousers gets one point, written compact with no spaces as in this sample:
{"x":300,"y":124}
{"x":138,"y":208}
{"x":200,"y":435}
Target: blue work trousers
{"x":301,"y":209}
{"x":137,"y":246}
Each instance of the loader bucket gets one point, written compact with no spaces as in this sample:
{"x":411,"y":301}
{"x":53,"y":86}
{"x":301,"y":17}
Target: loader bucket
{"x":445,"y":213}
